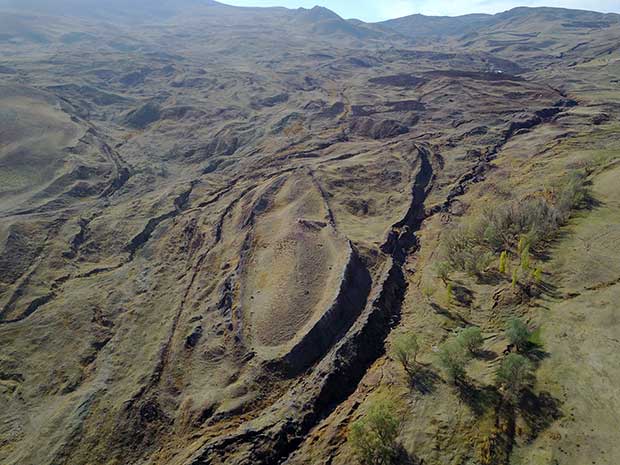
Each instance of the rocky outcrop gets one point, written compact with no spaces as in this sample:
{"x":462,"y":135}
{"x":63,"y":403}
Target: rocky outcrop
{"x":141,"y":117}
{"x":398,"y":80}
{"x":368,"y":127}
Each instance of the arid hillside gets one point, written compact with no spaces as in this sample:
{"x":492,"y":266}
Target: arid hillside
{"x":222,"y":227}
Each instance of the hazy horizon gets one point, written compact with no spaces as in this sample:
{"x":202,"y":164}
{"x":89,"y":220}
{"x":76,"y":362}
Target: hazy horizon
{"x":373,"y":10}
{"x":365,"y":10}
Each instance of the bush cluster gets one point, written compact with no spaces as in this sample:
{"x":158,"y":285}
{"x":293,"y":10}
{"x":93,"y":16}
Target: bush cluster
{"x":535,"y":219}
{"x":374,"y":437}
{"x":512,"y":226}
{"x":464,"y":251}
{"x":453,"y":359}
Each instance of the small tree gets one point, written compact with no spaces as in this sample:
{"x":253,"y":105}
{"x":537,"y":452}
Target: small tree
{"x":405,"y":350}
{"x":373,"y":437}
{"x":525,"y":258}
{"x":453,"y":359}
{"x":518,"y":333}
{"x":503,"y":260}
{"x":515,"y":278}
{"x":537,"y":275}
{"x":514,"y":373}
{"x":471,"y":339}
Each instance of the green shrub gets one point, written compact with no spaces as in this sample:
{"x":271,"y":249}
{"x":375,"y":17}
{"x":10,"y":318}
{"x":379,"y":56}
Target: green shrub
{"x":531,"y":220}
{"x":518,"y":333}
{"x":405,"y":350}
{"x":514,"y":374}
{"x":522,"y":226}
{"x":373,"y":438}
{"x":458,"y":244}
{"x":471,"y":339}
{"x":453,"y":359}
{"x":528,"y":222}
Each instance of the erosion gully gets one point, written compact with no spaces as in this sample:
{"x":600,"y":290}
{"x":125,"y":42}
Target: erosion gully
{"x":364,"y":344}
{"x":351,"y":357}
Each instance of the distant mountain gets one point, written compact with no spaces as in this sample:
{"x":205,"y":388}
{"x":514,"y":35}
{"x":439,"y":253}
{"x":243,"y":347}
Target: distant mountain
{"x":106,"y":9}
{"x":419,"y":26}
{"x":317,"y":20}
{"x":423,"y":26}
{"x":321,"y":20}
{"x":318,"y":13}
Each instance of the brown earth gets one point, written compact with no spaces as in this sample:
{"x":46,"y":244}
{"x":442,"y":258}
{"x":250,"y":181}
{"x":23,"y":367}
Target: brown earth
{"x":214,"y":218}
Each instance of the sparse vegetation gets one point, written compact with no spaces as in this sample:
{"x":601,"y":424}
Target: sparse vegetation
{"x":518,"y":333}
{"x":573,"y":194}
{"x":471,"y":339}
{"x":373,"y":437}
{"x":464,"y":252}
{"x":517,"y":224}
{"x":520,"y":227}
{"x":405,"y":350}
{"x":514,"y":374}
